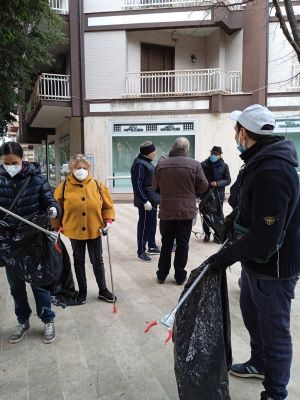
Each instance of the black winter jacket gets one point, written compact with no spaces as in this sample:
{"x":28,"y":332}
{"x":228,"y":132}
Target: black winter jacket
{"x":269,"y":193}
{"x":36,"y":198}
{"x":142,"y":172}
{"x":218,"y":172}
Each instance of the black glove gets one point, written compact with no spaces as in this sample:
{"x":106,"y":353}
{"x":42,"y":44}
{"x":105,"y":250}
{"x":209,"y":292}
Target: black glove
{"x":221,"y":260}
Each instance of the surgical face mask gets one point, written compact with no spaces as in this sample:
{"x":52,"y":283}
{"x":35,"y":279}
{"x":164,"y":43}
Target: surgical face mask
{"x":13,"y":169}
{"x":81,"y":174}
{"x":213,"y":158}
{"x":241,"y":148}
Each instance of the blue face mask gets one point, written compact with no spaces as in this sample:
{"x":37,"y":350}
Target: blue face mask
{"x":241,"y":148}
{"x":213,"y":158}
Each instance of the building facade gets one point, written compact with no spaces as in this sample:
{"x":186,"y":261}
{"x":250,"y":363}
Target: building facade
{"x":136,"y":70}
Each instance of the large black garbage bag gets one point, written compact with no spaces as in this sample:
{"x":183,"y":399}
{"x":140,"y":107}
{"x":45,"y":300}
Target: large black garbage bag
{"x":64,"y":294}
{"x":212,"y":213}
{"x":202,"y":346}
{"x":30,"y":253}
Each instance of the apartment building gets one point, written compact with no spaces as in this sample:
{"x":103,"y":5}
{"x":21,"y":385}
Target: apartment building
{"x":136,"y":70}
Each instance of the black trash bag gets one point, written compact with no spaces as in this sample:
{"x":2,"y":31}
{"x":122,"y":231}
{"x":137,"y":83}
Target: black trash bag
{"x":64,"y":294}
{"x":212,"y":213}
{"x":202,"y":345}
{"x":30,"y":253}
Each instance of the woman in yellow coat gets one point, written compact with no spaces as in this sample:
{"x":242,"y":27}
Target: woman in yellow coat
{"x":87,"y":207}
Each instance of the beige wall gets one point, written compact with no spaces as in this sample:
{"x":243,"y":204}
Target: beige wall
{"x":211,"y":130}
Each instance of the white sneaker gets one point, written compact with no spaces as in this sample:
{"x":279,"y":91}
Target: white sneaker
{"x":49,"y":332}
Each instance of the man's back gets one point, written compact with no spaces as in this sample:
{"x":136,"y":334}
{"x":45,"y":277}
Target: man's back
{"x":178,"y":179}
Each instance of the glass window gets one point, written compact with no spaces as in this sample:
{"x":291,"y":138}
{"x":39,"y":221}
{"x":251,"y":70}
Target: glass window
{"x":64,"y":154}
{"x":126,"y":148}
{"x":40,"y":156}
{"x":289,"y":127}
{"x":51,"y":164}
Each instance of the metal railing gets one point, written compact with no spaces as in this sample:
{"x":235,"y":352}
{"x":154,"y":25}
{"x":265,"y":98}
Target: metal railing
{"x":143,"y":4}
{"x":53,"y":87}
{"x":60,"y":6}
{"x":179,"y":83}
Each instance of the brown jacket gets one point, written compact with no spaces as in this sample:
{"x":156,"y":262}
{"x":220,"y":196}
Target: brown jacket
{"x":178,"y":179}
{"x":85,"y":208}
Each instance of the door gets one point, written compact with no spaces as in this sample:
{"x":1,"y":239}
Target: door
{"x":157,"y":58}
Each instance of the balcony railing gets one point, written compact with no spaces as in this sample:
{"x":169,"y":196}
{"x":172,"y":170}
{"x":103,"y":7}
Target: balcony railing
{"x":53,"y":87}
{"x":182,"y":83}
{"x":142,"y":4}
{"x":60,"y":6}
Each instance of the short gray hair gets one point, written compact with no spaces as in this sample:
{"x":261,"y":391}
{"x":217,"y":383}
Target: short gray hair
{"x":181,"y":143}
{"x":146,"y":144}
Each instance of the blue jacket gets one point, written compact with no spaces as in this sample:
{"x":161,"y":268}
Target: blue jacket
{"x":269,"y":193}
{"x":142,"y":172}
{"x":36,"y":198}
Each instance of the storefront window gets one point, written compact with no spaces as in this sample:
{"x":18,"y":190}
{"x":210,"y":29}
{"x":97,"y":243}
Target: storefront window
{"x":40,"y":155}
{"x":64,"y":153}
{"x":289,"y":127}
{"x":126,"y":141}
{"x":51,"y":164}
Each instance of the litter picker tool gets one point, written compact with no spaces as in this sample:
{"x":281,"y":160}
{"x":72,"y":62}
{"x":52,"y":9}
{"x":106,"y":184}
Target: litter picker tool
{"x":168,"y":319}
{"x":54,"y":235}
{"x":105,"y":233}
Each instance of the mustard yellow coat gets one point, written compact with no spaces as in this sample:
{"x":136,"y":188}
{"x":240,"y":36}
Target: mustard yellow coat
{"x":84,"y":208}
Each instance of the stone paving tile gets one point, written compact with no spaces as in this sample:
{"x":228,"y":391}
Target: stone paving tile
{"x":99,"y":355}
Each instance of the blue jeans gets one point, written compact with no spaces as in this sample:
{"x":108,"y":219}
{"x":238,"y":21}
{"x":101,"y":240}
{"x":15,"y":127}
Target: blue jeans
{"x":22,"y":308}
{"x":146,"y":229}
{"x":266,"y":308}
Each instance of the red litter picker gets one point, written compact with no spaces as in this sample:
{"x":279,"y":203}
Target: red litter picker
{"x":168,"y":319}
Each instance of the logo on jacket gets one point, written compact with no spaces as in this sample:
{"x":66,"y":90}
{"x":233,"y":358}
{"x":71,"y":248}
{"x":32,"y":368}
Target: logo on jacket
{"x":270,"y":220}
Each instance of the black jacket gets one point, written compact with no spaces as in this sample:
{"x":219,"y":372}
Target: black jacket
{"x":269,"y":193}
{"x":219,"y":172}
{"x":142,"y":172}
{"x":36,"y":198}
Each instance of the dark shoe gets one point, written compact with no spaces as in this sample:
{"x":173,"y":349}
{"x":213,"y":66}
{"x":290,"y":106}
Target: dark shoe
{"x":106,"y":295}
{"x":160,"y":281}
{"x":144,"y":257}
{"x":81,"y":297}
{"x":239,"y":282}
{"x":206,"y":239}
{"x":265,"y":396}
{"x":246,"y":370}
{"x":181,"y":282}
{"x":155,"y":250}
{"x":19,"y":332}
{"x":49,"y":332}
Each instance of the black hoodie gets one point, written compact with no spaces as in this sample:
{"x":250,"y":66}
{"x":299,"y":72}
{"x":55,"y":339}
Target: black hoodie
{"x":36,"y":198}
{"x":269,"y":193}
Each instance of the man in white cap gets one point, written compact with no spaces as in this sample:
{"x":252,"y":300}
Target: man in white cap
{"x":267,"y":233}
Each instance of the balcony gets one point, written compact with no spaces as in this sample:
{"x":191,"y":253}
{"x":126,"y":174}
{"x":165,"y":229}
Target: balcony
{"x":50,"y":101}
{"x":197,"y":82}
{"x":146,"y":4}
{"x":60,"y":6}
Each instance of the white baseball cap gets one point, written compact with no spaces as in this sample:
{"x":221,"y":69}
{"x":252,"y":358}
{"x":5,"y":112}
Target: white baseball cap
{"x":253,"y":118}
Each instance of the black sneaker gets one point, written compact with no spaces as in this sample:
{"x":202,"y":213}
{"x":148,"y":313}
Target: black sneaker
{"x":49,"y":332}
{"x":246,"y":370}
{"x":155,"y":250}
{"x":19,"y":332}
{"x":106,"y":295}
{"x":144,"y":257}
{"x":161,"y":281}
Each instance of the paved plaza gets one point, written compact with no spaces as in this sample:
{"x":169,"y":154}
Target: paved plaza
{"x":106,"y":356}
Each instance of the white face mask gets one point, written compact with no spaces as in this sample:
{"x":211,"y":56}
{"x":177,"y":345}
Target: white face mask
{"x":81,"y":174}
{"x":13,"y":169}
